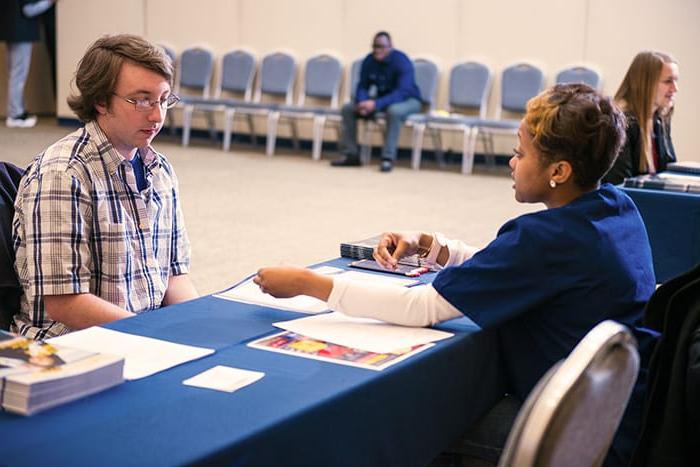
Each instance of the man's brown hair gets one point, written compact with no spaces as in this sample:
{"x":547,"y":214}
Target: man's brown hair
{"x":98,"y":70}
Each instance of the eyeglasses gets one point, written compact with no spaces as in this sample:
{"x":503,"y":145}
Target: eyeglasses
{"x":144,"y":104}
{"x":380,"y":46}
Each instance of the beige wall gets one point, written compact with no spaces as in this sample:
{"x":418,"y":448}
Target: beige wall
{"x":551,"y":33}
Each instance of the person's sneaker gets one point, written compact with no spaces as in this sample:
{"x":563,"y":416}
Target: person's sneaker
{"x":21,"y":121}
{"x":386,"y":166}
{"x":347,"y":161}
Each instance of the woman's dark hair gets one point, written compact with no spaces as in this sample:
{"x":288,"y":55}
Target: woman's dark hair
{"x":98,"y":70}
{"x":575,"y":123}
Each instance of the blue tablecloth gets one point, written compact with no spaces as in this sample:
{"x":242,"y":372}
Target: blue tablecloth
{"x":672,"y":220}
{"x":303,"y":412}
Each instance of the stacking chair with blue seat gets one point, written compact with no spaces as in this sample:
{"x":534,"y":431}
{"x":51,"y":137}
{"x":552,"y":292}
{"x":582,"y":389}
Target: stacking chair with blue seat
{"x":572,"y":414}
{"x":579,"y":74}
{"x":427,"y":79}
{"x":235,"y":83}
{"x":322,"y":78}
{"x":519,"y":83}
{"x":194,"y":72}
{"x":274,"y":88}
{"x":469,"y":86}
{"x":172,"y":55}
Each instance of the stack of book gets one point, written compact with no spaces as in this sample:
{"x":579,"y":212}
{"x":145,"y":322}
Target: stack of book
{"x":666,"y":181}
{"x":687,"y":167}
{"x":36,"y":376}
{"x":362,"y":249}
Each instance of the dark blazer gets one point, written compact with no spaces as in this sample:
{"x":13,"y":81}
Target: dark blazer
{"x":14,"y":26}
{"x":10,"y":290}
{"x":627,"y":162}
{"x":671,"y":424}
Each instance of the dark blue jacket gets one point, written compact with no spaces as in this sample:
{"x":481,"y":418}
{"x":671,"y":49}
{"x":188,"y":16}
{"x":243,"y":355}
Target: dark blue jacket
{"x":14,"y":26}
{"x":394,"y":79}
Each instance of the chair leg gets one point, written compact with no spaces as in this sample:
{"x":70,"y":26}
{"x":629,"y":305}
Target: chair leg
{"x":318,"y":125}
{"x":437,"y":144}
{"x":272,"y":121}
{"x":229,"y":113}
{"x":210,"y":122}
{"x":418,"y":130}
{"x":295,"y":134}
{"x":186,"y":124}
{"x":251,"y":128}
{"x":468,"y":144}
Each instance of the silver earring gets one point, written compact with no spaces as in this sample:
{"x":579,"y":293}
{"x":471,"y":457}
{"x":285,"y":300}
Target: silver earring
{"x":552,"y":184}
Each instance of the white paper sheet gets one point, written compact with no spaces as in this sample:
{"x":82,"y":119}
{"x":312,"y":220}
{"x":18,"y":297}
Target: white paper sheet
{"x":143,"y":356}
{"x":224,"y":378}
{"x":361,"y":333}
{"x":249,"y":292}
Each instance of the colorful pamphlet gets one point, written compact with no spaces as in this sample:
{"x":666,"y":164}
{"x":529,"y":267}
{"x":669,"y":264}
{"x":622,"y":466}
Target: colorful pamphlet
{"x":290,"y":343}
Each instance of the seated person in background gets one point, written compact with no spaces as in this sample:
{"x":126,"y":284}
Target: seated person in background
{"x":647,"y":96}
{"x":98,"y":229}
{"x":387,"y":83}
{"x":549,"y":277}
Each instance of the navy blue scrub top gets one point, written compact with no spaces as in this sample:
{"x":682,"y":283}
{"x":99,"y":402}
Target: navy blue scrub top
{"x":549,"y":277}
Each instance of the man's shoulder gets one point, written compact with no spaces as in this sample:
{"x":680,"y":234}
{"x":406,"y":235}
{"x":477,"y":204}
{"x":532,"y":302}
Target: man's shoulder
{"x":70,"y":153}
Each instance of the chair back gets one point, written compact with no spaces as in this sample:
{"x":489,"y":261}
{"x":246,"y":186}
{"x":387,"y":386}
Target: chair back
{"x":355,"y":70}
{"x":170,"y":52}
{"x":579,"y":74}
{"x":470,"y":84}
{"x":277,"y":74}
{"x":427,"y":76}
{"x":195,"y":69}
{"x":322,"y":76}
{"x":10,"y":290}
{"x":237,"y":73}
{"x":571,"y":415}
{"x":520,"y":83}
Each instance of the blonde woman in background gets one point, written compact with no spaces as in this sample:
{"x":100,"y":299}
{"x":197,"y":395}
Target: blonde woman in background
{"x":647,"y":96}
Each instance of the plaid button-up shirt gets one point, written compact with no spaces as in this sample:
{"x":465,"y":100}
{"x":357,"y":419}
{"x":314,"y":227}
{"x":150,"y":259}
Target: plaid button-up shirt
{"x":82,"y":226}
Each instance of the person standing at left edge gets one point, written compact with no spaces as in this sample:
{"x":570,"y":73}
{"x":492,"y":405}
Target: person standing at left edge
{"x":387,"y":84}
{"x":19,"y":27}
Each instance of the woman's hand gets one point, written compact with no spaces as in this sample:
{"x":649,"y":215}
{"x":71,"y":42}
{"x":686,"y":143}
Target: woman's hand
{"x":395,"y":245}
{"x":286,"y":282}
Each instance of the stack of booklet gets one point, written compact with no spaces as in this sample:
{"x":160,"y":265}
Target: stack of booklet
{"x":667,"y":181}
{"x":362,"y":249}
{"x":35,"y":375}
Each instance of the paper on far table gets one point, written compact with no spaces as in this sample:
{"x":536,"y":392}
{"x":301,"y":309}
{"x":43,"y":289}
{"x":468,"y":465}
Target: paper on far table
{"x":224,"y":378}
{"x":249,"y":292}
{"x":362,"y":333}
{"x":143,"y":356}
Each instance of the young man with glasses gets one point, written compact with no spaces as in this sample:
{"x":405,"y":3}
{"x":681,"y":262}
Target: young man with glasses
{"x":387,"y":84}
{"x":98,"y":230}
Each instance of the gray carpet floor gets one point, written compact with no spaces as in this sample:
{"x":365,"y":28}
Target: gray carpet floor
{"x":244,"y":210}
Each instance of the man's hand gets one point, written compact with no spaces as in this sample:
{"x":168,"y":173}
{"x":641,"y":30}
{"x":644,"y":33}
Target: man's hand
{"x":365,"y":108}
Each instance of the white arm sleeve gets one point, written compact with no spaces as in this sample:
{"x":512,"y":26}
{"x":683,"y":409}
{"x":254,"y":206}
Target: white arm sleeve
{"x":33,"y":9}
{"x":459,"y":251}
{"x":415,"y":306}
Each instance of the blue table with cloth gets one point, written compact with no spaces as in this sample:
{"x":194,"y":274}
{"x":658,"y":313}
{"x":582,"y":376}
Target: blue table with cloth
{"x":302,"y":412}
{"x":672,"y":220}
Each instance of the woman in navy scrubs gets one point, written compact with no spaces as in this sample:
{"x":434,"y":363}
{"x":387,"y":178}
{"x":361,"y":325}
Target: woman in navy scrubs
{"x":548,"y":277}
